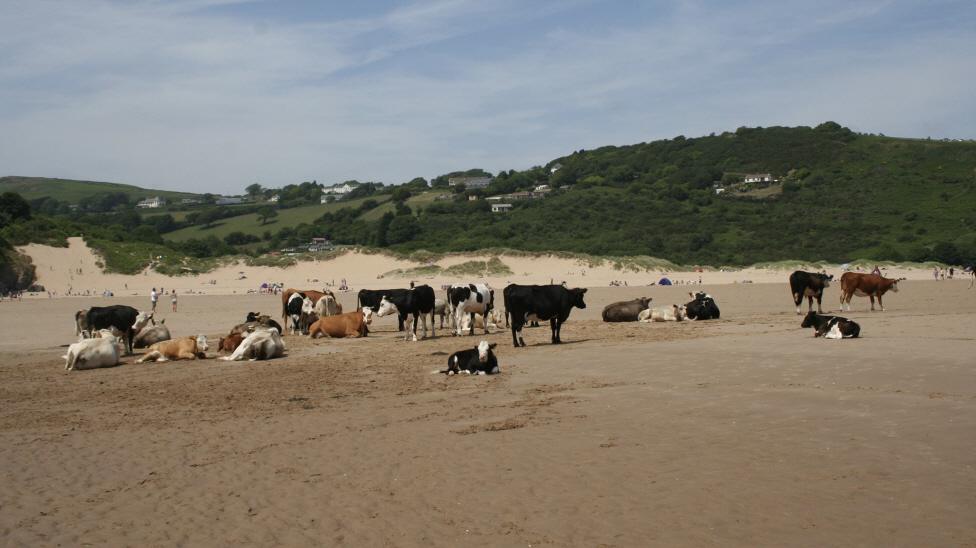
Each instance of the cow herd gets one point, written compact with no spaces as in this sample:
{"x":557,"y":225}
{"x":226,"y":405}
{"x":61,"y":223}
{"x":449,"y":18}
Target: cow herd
{"x":105,"y":333}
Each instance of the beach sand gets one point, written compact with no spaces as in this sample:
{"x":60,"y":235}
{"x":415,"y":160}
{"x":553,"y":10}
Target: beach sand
{"x":744,"y":431}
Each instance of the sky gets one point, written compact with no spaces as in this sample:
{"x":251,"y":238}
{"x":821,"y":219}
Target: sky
{"x":213,"y":95}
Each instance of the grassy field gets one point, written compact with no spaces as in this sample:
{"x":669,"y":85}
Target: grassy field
{"x":250,"y":224}
{"x":69,"y":190}
{"x":416,"y":203}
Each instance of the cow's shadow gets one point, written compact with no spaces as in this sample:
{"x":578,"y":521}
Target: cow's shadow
{"x":564,"y":343}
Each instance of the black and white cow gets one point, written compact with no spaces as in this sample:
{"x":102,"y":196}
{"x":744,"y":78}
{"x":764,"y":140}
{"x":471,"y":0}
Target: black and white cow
{"x":469,"y":299}
{"x":370,"y":298}
{"x":296,"y":303}
{"x":416,"y":303}
{"x":831,"y":327}
{"x":527,"y":303}
{"x":809,"y":285}
{"x":479,"y":360}
{"x":119,"y":316}
{"x":703,"y":307}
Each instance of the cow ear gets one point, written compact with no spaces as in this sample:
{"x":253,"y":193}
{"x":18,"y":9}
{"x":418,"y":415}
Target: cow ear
{"x":492,"y":345}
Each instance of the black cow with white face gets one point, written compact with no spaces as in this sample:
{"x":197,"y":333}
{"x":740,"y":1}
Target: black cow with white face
{"x":527,"y":303}
{"x":809,"y":285}
{"x":703,"y":307}
{"x":370,"y":298}
{"x":831,"y":327}
{"x":413,"y":304}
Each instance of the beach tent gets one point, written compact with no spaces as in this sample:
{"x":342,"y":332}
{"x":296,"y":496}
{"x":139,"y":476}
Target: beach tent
{"x":664,"y":281}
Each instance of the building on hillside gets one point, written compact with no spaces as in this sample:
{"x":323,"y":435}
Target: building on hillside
{"x":340,"y":190}
{"x":758,"y":178}
{"x":319,"y":244}
{"x":501,"y":208}
{"x":470,"y":183}
{"x":555,"y":168}
{"x":189,"y":201}
{"x":542,"y":188}
{"x":719,"y":190}
{"x":151,"y":203}
{"x":229,"y":200}
{"x":274,"y":199}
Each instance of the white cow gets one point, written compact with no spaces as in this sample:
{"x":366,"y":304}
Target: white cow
{"x":92,"y":353}
{"x":142,"y":320}
{"x":469,"y":299}
{"x":260,"y":344}
{"x":495,"y":319}
{"x":673,"y":313}
{"x":327,"y":306}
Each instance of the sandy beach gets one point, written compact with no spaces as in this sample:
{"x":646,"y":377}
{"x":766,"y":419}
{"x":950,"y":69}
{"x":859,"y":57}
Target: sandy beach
{"x":744,"y":431}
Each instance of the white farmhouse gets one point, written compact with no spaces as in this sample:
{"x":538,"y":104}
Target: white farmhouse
{"x":151,"y":203}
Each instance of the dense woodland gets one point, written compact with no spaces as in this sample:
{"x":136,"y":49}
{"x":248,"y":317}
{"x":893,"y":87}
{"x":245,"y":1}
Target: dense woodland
{"x":841,"y":196}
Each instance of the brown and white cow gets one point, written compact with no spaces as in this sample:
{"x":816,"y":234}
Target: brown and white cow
{"x":350,"y":324}
{"x":185,"y":348}
{"x":230,"y":342}
{"x":865,"y":285}
{"x":310,"y":293}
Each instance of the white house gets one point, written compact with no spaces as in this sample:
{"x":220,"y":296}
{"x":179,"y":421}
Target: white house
{"x":501,"y":208}
{"x":189,"y":201}
{"x":229,"y":200}
{"x":542,"y":188}
{"x":341,"y":190}
{"x":152,"y":203}
{"x":555,"y":168}
{"x":274,"y":199}
{"x":470,"y":183}
{"x":758,"y":178}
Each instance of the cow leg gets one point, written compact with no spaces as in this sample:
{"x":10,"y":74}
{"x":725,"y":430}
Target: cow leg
{"x":810,"y":303}
{"x":798,"y":299}
{"x":872,"y":302}
{"x":423,"y":320}
{"x":487,"y":314}
{"x":553,"y":326}
{"x":819,"y":306}
{"x":880,"y":304}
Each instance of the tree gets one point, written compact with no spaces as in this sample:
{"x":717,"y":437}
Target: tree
{"x":402,"y":229}
{"x":208,"y":217}
{"x":13,"y":207}
{"x":253,"y":190}
{"x":265,"y":213}
{"x":401,"y":195}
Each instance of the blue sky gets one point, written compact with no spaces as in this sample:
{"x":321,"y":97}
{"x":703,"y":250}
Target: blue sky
{"x":212,"y":95}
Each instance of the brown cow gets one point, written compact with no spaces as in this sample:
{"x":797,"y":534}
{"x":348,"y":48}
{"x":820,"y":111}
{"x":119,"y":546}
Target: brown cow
{"x":310,"y":293}
{"x":230,"y":342}
{"x":350,"y":324}
{"x":865,"y":285}
{"x":185,"y":348}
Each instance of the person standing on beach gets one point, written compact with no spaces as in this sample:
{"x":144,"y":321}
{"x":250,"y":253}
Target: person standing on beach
{"x":173,"y":300}
{"x":153,"y":297}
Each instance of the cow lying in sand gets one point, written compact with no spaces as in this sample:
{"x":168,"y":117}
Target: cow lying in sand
{"x":230,"y":342}
{"x":673,"y":313}
{"x":350,"y":324}
{"x":92,"y":353}
{"x":185,"y":348}
{"x":479,"y":360}
{"x":262,"y":344}
{"x":831,"y":327}
{"x":152,"y":335}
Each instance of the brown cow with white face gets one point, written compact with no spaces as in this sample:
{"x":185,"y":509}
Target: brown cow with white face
{"x":865,"y":285}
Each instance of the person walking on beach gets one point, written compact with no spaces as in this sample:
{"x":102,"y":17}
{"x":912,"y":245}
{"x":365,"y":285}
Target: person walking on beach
{"x":173,"y":300}
{"x":153,"y":297}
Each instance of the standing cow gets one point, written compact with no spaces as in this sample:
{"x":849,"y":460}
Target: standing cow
{"x":865,"y":285}
{"x":809,"y":285}
{"x":417,"y":302}
{"x":469,"y":299}
{"x":371,"y":298}
{"x":119,"y":316}
{"x":528,"y":303}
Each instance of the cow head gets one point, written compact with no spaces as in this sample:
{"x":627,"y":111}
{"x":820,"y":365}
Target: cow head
{"x":680,"y":311}
{"x":252,"y":316}
{"x":894,"y":284}
{"x":826,"y":278}
{"x":576,"y":295}
{"x":699,"y":296}
{"x":386,"y":307}
{"x":367,"y":315}
{"x":307,"y":306}
{"x":202,"y":343}
{"x":484,"y":349}
{"x":142,"y":320}
{"x":809,"y":320}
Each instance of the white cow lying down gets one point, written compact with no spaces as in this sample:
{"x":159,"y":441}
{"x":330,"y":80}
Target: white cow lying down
{"x":673,"y":313}
{"x":92,"y":353}
{"x":260,"y":344}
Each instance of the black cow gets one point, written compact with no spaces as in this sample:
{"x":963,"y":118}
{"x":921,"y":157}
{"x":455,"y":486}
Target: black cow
{"x":809,"y":285}
{"x":540,"y":302}
{"x":371,"y":298}
{"x":479,"y":360}
{"x":831,"y":327}
{"x":703,"y":307}
{"x":119,"y":316}
{"x":417,"y":302}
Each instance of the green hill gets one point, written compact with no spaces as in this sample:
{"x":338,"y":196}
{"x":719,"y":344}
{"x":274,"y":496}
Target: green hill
{"x":72,"y":191}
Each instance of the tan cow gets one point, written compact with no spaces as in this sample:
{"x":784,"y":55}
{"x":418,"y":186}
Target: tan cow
{"x":185,"y":348}
{"x":350,"y":324}
{"x":865,"y":285}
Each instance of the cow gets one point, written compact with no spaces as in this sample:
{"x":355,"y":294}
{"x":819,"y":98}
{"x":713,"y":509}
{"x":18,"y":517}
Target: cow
{"x":152,"y":335}
{"x":119,"y":316}
{"x":92,"y":353}
{"x":673,"y":313}
{"x":143,"y":319}
{"x":327,"y":306}
{"x":415,"y":303}
{"x":310,"y":293}
{"x":184,"y":348}
{"x":349,"y":324}
{"x":262,"y":320}
{"x":479,"y":360}
{"x":371,"y":298}
{"x":296,"y":310}
{"x":809,"y":285}
{"x":626,"y":311}
{"x":865,"y":285}
{"x":527,"y":303}
{"x":702,"y":307}
{"x":831,"y":327}
{"x":260,"y":344}
{"x":440,"y":309}
{"x":495,"y":318}
{"x":469,"y":299}
{"x":230,"y":342}
{"x":82,"y":330}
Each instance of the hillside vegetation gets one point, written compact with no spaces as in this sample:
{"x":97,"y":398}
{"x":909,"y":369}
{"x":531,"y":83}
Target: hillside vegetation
{"x":73,"y":191}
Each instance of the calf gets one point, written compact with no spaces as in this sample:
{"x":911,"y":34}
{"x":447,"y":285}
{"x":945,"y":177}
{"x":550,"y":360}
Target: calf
{"x":673,"y":313}
{"x":185,"y":348}
{"x":809,"y":285}
{"x":417,"y":302}
{"x":526,"y":303}
{"x":703,"y":307}
{"x":831,"y":327}
{"x":350,"y":324}
{"x":440,"y":309}
{"x":262,"y":344}
{"x":865,"y":285}
{"x":626,"y":311}
{"x":479,"y":360}
{"x":92,"y":353}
